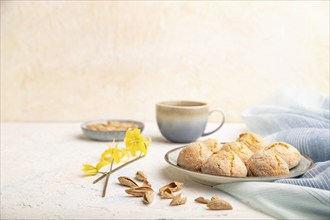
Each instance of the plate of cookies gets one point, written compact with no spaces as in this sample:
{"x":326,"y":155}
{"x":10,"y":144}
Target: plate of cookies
{"x":248,"y":158}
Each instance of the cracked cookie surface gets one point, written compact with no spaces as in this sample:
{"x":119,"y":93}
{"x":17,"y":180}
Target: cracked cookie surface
{"x":253,"y":141}
{"x":266,"y":163}
{"x":240,"y":149}
{"x":287,"y":152}
{"x":225,"y":163}
{"x":193,"y":156}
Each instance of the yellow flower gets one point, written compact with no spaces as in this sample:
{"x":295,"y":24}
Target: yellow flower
{"x":114,"y":154}
{"x":89,"y":170}
{"x":136,"y":142}
{"x":101,"y":164}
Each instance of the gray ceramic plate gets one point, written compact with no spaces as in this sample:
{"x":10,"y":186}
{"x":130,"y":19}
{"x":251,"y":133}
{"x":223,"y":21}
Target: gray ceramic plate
{"x":107,"y":135}
{"x":171,"y":157}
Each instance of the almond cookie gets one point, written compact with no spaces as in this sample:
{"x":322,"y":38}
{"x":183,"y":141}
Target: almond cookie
{"x":266,"y":163}
{"x":212,"y":144}
{"x":225,"y":163}
{"x":240,"y":149}
{"x":253,"y":141}
{"x":193,"y":156}
{"x":287,"y":152}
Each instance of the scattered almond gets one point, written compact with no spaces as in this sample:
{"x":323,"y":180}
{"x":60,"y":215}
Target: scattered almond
{"x":202,"y":200}
{"x":148,"y":197}
{"x":140,"y":176}
{"x":219,"y":204}
{"x":166,"y":194}
{"x":138,"y":191}
{"x":146,"y":183}
{"x":111,"y":126}
{"x":173,"y":186}
{"x":177,"y":200}
{"x":215,"y":198}
{"x":126,"y":181}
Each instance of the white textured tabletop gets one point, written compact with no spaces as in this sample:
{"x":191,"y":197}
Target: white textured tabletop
{"x":41,"y":177}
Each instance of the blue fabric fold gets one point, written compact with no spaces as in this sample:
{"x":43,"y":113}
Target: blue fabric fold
{"x":302,"y":119}
{"x":317,"y":177}
{"x":281,"y":201}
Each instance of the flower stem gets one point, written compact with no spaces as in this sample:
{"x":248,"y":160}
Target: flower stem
{"x":121,"y":166}
{"x":106,"y":181}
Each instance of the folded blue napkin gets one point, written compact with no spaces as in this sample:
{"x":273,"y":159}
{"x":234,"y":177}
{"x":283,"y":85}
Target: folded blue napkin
{"x":302,"y":119}
{"x":282,"y":201}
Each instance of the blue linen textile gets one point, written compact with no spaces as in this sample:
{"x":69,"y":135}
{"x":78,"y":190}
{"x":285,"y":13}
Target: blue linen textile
{"x":302,"y":119}
{"x":282,"y":201}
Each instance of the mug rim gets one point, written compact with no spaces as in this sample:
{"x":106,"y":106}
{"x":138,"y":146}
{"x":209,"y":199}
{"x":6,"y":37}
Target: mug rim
{"x":193,"y":104}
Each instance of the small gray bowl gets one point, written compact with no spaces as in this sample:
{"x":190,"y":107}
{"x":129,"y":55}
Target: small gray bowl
{"x":108,"y":135}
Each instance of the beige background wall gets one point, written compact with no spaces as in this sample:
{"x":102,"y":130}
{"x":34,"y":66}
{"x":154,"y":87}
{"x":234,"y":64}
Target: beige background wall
{"x":75,"y":61}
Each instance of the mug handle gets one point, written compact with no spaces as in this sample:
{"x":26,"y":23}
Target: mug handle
{"x":222,"y":122}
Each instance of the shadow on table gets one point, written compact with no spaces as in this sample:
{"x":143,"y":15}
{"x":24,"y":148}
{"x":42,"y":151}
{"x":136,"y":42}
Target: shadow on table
{"x":160,"y":139}
{"x":174,"y":175}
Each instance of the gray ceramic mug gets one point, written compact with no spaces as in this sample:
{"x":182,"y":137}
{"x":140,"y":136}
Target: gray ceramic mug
{"x":184,"y":121}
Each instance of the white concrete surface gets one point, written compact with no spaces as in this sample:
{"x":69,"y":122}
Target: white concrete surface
{"x":41,"y":178}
